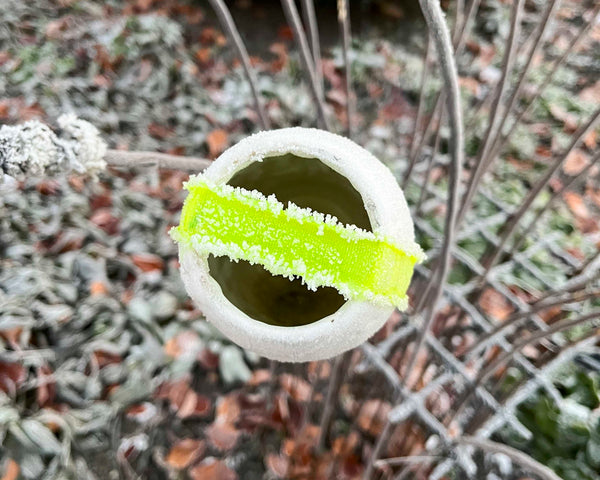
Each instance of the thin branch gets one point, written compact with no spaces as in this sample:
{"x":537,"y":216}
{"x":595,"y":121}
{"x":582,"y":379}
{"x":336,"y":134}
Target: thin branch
{"x":227,"y":22}
{"x":430,"y":163}
{"x":396,"y":461}
{"x":532,"y":338}
{"x":515,"y":455}
{"x":435,"y":21}
{"x":514,"y":320}
{"x":123,"y":158}
{"x":460,"y":41}
{"x":541,"y":31}
{"x":416,"y":137}
{"x":514,"y":219}
{"x":573,"y":181}
{"x":293,"y":18}
{"x":545,"y":82}
{"x":481,"y":164}
{"x":344,"y":21}
{"x":310,"y":19}
{"x":338,"y":372}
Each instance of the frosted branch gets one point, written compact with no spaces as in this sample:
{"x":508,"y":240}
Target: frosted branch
{"x":34,"y":149}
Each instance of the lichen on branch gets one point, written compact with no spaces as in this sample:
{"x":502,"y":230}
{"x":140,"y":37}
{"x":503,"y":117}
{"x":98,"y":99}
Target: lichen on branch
{"x":33,"y":149}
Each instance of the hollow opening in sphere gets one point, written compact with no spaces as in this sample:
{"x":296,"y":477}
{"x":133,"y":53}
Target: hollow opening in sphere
{"x":274,"y":299}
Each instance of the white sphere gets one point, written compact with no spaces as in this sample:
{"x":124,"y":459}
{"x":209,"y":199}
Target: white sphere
{"x":355,"y":321}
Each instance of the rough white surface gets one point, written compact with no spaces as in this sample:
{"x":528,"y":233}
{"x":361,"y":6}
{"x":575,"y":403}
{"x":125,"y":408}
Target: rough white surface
{"x":355,"y":321}
{"x":33,"y":149}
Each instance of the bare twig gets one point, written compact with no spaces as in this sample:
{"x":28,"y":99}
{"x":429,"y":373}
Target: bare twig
{"x":430,"y":163}
{"x":460,"y":41}
{"x":532,"y":338}
{"x":416,"y":137}
{"x":515,"y":455}
{"x":545,"y":82}
{"x":514,"y":320}
{"x":558,"y":194}
{"x":489,"y":261}
{"x":344,"y":21}
{"x":435,"y":21}
{"x":441,"y":36}
{"x":293,"y":18}
{"x":123,"y":158}
{"x":340,"y":366}
{"x":482,"y":164}
{"x":538,"y":42}
{"x":310,"y":19}
{"x":227,"y":22}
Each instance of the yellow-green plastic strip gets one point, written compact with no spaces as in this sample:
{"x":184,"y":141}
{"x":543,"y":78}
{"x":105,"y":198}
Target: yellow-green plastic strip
{"x":294,"y":242}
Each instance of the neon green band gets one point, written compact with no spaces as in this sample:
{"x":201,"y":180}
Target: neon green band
{"x":293,"y":241}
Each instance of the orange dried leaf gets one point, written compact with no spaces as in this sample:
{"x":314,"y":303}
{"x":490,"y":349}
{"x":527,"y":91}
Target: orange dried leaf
{"x":228,"y":408}
{"x":185,"y":452}
{"x":278,"y":465}
{"x":217,"y":142}
{"x":98,"y":288}
{"x":222,"y":436}
{"x":373,"y":415}
{"x":147,"y":262}
{"x":212,"y":469}
{"x":575,"y":162}
{"x":12,"y":470}
{"x":297,"y":388}
{"x":495,"y":304}
{"x":577,"y":205}
{"x":12,"y":375}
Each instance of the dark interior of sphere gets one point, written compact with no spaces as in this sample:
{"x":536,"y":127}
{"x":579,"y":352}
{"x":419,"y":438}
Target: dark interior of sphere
{"x":274,"y":299}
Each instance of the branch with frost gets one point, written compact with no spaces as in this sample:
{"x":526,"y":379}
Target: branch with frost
{"x":34,"y":149}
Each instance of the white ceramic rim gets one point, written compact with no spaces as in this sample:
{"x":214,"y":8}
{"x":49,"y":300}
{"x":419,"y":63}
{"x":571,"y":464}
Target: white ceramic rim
{"x":355,"y":321}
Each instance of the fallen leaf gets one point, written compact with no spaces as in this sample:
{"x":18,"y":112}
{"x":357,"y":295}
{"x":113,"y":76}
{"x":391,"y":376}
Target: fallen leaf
{"x":147,"y":262}
{"x":104,"y":219}
{"x":183,"y":400}
{"x":55,"y":28}
{"x":203,"y":55}
{"x":142,"y":412}
{"x":98,"y":288}
{"x":46,"y":389}
{"x":373,"y":415}
{"x":217,"y":141}
{"x":182,"y":343}
{"x":12,"y":470}
{"x":160,"y":131}
{"x":228,"y":408}
{"x":577,"y":205}
{"x":590,"y":140}
{"x":343,"y":446}
{"x":212,"y":469}
{"x":575,"y":162}
{"x":278,"y":465}
{"x":591,"y":94}
{"x":593,"y":194}
{"x":260,"y":376}
{"x":495,"y":304}
{"x":569,"y":119}
{"x":223,"y":436}
{"x":297,"y":388}
{"x":12,"y":376}
{"x":208,"y":359}
{"x":185,"y":452}
{"x":103,"y":358}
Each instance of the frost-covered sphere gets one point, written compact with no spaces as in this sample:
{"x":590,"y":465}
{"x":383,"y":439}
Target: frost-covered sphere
{"x":274,"y":316}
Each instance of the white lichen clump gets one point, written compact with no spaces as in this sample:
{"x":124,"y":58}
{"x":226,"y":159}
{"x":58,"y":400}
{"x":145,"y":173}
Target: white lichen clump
{"x":33,"y":149}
